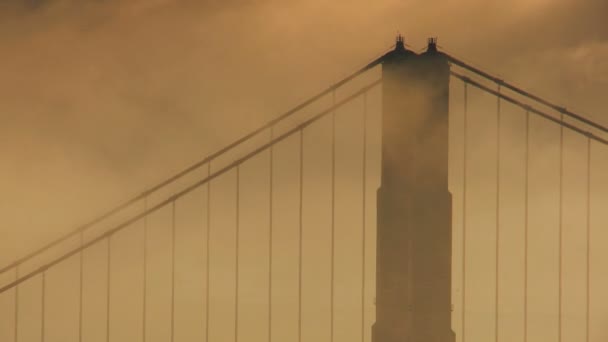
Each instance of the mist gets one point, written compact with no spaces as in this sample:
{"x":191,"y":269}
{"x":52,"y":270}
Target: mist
{"x":101,"y":99}
{"x":95,"y":94}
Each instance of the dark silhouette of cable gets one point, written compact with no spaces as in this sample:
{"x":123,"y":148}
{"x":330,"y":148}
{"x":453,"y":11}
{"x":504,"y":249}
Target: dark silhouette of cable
{"x":108,"y":286}
{"x":145,"y":274}
{"x":561,"y":232}
{"x":333,"y":219}
{"x":192,"y":167}
{"x":190,"y":188}
{"x":236,"y":257}
{"x":363,"y":216}
{"x":497,"y":248}
{"x":300,"y":229}
{"x":16,"y":307}
{"x":530,"y":109}
{"x":208,"y":254}
{"x":270,"y":231}
{"x":173,"y":270}
{"x":43,"y":307}
{"x":464,"y":209}
{"x":526,"y":200}
{"x":80,"y":288}
{"x":588,"y":263}
{"x":520,"y":91}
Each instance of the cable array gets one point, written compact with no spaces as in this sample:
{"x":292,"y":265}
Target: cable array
{"x":299,"y":130}
{"x":193,"y":167}
{"x":562,"y":125}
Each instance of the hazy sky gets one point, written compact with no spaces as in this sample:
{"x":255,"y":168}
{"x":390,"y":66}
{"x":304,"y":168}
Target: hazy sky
{"x":101,"y":98}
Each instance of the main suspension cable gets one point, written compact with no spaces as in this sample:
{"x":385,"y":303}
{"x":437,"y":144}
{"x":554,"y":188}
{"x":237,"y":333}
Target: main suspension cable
{"x":530,"y":109}
{"x":194,"y":166}
{"x":190,"y":188}
{"x":520,"y":91}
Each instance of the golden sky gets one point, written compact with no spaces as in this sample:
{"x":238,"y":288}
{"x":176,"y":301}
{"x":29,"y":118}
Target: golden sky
{"x":95,"y":93}
{"x":100,"y":99}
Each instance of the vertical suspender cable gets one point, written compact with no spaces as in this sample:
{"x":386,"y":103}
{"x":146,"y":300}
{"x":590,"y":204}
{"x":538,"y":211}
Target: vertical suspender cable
{"x":333,"y":217}
{"x":43,"y":306}
{"x":236,"y":261}
{"x":16,"y":307}
{"x":80,"y":288}
{"x":497,"y":248}
{"x":270,"y":232}
{"x":464,"y":210}
{"x":173,"y":270}
{"x":145,"y":274}
{"x":561,"y":228}
{"x":526,"y":195}
{"x":208,"y":254}
{"x":300,"y":235}
{"x":108,"y":282}
{"x":588,"y":272}
{"x":363,"y":216}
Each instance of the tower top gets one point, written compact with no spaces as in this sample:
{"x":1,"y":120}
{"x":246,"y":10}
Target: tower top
{"x":432,"y":44}
{"x":399,"y":45}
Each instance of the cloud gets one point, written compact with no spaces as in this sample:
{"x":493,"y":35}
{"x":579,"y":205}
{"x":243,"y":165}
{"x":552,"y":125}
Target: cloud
{"x":98,"y":93}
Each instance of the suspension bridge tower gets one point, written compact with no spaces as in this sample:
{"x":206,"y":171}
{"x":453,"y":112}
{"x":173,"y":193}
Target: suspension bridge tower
{"x":414,"y":243}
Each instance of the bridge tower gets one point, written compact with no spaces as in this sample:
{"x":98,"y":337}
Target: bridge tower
{"x":414,"y":242}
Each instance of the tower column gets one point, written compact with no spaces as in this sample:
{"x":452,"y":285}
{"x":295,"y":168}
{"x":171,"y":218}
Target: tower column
{"x":414,"y":242}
